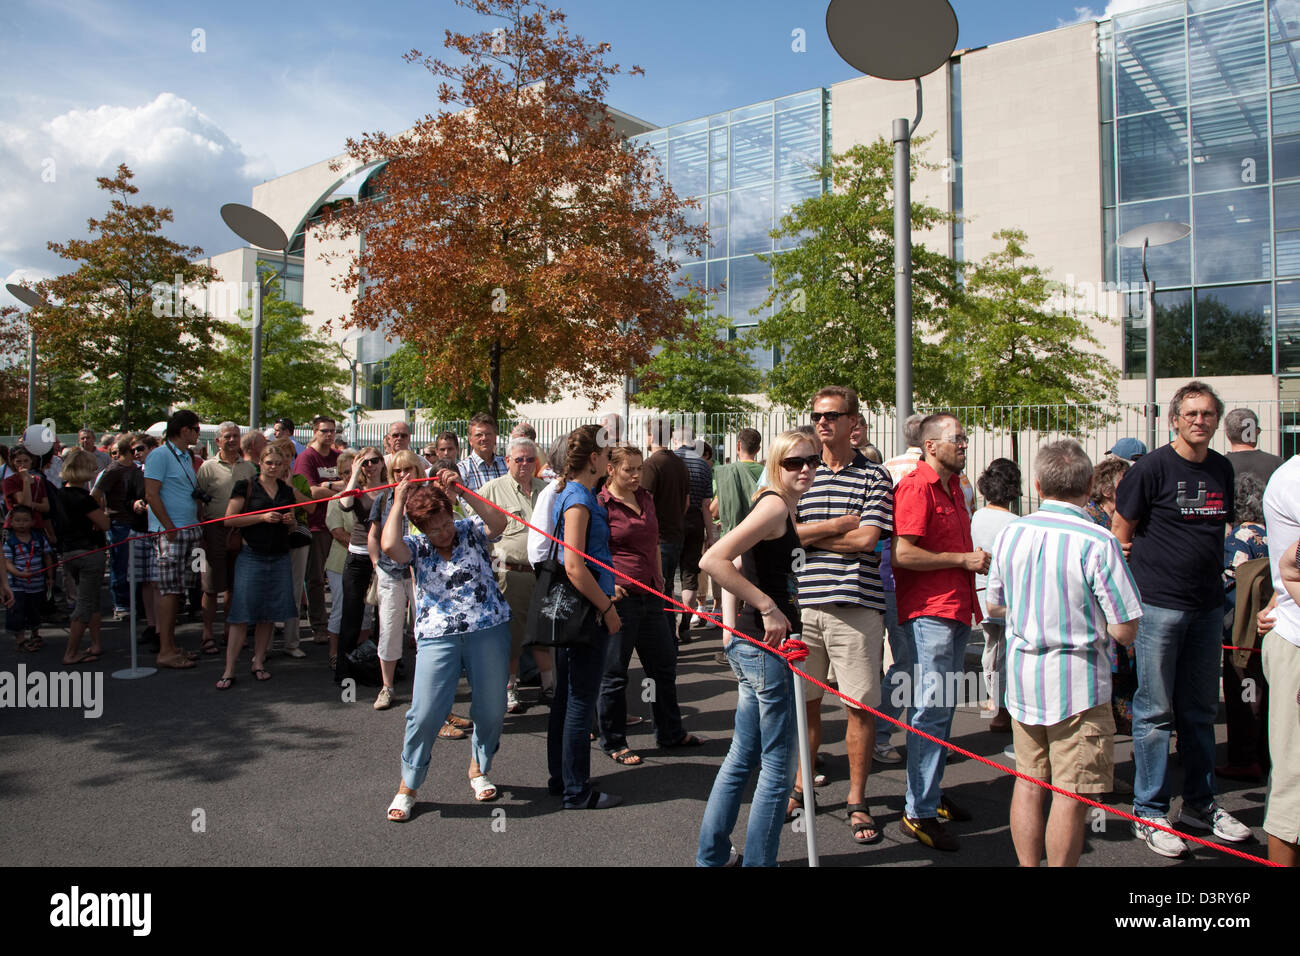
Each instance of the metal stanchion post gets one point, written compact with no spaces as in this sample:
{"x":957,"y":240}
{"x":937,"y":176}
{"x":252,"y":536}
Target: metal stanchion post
{"x":806,"y":769}
{"x":134,"y":671}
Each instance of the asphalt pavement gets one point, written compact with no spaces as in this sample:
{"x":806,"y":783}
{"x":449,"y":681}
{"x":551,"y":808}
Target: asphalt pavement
{"x":285,"y":772}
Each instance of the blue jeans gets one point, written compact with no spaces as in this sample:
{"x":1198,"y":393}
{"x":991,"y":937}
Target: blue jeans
{"x":764,"y":737}
{"x":568,"y":742}
{"x":645,"y":630}
{"x":1178,"y":666}
{"x":938,"y":646}
{"x":485,"y":657}
{"x":894,"y":691}
{"x":117,"y":567}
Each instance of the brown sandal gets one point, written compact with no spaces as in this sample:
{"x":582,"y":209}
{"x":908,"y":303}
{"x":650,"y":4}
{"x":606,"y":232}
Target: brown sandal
{"x":450,"y":731}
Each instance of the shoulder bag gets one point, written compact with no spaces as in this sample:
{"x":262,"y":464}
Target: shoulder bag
{"x":558,"y":615}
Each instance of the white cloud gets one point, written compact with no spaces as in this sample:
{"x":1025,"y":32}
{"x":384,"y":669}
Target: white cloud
{"x":1113,"y":7}
{"x":180,"y":157}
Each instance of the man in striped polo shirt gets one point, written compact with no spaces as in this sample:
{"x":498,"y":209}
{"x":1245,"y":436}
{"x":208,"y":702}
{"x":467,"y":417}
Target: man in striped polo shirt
{"x":1062,"y":584}
{"x":841,"y":601}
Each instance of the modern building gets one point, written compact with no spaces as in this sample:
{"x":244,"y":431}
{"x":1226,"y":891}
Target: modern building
{"x":1186,"y":111}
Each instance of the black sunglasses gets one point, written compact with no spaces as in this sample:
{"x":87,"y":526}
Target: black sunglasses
{"x":830,"y":417}
{"x":797,"y":464}
{"x":370,"y":461}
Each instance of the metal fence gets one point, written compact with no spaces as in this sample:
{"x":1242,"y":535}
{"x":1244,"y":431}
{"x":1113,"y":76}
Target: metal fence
{"x":1010,"y":431}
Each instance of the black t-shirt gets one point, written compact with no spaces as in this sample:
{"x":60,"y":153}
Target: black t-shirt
{"x":80,"y":534}
{"x":665,"y":476}
{"x":1181,"y":508}
{"x":262,"y":537}
{"x":1258,"y":463}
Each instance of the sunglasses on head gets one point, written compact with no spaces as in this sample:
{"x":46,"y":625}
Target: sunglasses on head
{"x":797,"y":464}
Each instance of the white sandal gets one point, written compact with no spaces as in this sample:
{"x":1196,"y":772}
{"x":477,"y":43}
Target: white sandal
{"x":484,"y":789}
{"x":403,"y":803}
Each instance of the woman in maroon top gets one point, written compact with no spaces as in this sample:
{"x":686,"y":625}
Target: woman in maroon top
{"x":23,"y":486}
{"x":634,"y":542}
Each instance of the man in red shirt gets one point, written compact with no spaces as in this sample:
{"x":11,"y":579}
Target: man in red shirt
{"x":319,"y":464}
{"x":934,"y":575}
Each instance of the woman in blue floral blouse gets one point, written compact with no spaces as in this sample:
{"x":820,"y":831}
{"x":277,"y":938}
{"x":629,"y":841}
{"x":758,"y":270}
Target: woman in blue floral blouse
{"x":461,"y":622}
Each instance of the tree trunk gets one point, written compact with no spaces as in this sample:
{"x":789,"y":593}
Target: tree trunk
{"x":494,"y":383}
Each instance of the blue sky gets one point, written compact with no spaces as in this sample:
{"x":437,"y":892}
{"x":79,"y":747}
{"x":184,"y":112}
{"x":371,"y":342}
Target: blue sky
{"x":265,"y":88}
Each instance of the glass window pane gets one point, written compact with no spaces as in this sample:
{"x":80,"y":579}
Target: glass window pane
{"x":1153,"y":155}
{"x":1202,"y":6}
{"x":798,"y":142}
{"x":1108,"y":164}
{"x":1170,"y":264}
{"x":1234,"y":331}
{"x":810,"y":98}
{"x":1151,"y":68}
{"x":751,"y":152}
{"x":1284,"y":20}
{"x":751,"y":220}
{"x":1230,"y":143}
{"x":751,"y":112}
{"x":718,"y":160}
{"x":748,"y":286}
{"x":789,"y":194}
{"x":1288,"y":327}
{"x":717,"y":281}
{"x":1173,"y":335}
{"x":687,"y":129}
{"x":1285,"y":64}
{"x":1225,"y":52}
{"x":761,"y":356}
{"x":1110,"y":231}
{"x":1286,"y":207}
{"x":1286,"y":134}
{"x":1230,"y":232}
{"x":1128,"y":21}
{"x":719,"y":119}
{"x":688,"y":164}
{"x":717,"y":226}
{"x":693,"y":275}
{"x":1106,"y":69}
{"x":693,"y":217}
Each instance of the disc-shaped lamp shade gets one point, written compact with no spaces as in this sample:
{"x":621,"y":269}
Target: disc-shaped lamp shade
{"x":892,"y":39}
{"x":1153,"y":234}
{"x":255,"y":228}
{"x":25,"y":295}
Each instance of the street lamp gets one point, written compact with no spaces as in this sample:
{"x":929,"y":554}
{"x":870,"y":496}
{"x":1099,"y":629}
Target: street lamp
{"x":32,"y":300}
{"x":353,"y":336}
{"x":1152,"y":234}
{"x":257,"y":229}
{"x":897,"y":41}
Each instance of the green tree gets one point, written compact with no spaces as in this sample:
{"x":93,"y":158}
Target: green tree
{"x":834,"y":292}
{"x":1011,"y":342}
{"x":116,"y":317}
{"x":409,"y":376}
{"x":301,"y":376}
{"x":702,"y":370}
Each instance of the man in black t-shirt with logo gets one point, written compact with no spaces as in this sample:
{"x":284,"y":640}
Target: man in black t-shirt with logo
{"x":1171,"y":513}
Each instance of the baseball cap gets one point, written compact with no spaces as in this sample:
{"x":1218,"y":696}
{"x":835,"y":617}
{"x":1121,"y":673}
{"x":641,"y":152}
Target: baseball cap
{"x":1130,"y":449}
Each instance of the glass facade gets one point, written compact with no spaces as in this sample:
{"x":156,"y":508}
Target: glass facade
{"x":746,"y":168}
{"x":1201,"y":124}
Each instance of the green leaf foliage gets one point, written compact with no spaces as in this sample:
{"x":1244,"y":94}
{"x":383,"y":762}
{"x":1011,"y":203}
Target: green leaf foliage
{"x":700,"y":371}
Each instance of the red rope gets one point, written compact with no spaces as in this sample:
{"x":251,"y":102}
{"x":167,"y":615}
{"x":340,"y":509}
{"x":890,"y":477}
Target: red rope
{"x":897,"y":723}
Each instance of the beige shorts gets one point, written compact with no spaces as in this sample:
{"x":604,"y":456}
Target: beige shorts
{"x":849,"y":638}
{"x":517,"y":588}
{"x":1281,"y":660}
{"x":1078,"y":754}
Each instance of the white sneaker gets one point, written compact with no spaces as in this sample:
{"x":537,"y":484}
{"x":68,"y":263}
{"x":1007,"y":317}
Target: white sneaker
{"x":512,"y":698}
{"x":385,"y":699}
{"x":1217,"y":820}
{"x":296,"y":653}
{"x":1166,"y":844}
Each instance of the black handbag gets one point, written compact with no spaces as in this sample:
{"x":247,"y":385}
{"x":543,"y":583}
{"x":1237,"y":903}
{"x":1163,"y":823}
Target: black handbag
{"x":558,"y":614}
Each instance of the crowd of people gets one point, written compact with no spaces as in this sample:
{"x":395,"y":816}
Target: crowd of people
{"x":1136,"y":590}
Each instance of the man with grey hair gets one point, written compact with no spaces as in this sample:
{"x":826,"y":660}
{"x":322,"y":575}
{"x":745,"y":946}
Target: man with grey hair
{"x":1241,"y":426}
{"x":516,"y":492}
{"x":216,"y":478}
{"x":1170,"y":513}
{"x":1062,"y":585}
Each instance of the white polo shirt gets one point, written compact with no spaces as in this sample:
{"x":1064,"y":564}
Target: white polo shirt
{"x":1282,"y":519}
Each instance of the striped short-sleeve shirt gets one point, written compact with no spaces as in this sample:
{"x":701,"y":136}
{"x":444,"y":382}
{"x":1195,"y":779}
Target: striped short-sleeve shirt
{"x":862,"y":488}
{"x":1061,"y":579}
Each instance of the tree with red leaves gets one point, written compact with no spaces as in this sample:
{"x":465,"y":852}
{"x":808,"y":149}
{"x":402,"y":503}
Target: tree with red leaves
{"x":513,"y":235}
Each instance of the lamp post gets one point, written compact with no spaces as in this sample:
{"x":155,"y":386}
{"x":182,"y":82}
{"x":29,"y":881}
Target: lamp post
{"x":353,"y":362}
{"x":32,"y":300}
{"x":897,"y":41}
{"x":1151,"y":234}
{"x":257,"y":229}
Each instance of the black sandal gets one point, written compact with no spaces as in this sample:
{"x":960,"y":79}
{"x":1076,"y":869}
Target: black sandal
{"x":860,"y":828}
{"x":797,"y":795}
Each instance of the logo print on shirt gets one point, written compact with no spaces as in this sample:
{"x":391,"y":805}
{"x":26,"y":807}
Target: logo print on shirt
{"x":1186,"y":502}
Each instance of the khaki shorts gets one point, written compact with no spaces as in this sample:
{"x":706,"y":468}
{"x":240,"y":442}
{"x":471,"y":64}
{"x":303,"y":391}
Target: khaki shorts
{"x":517,"y":588}
{"x":850,"y":638}
{"x":216,"y":564}
{"x":1281,"y":660}
{"x":1078,"y":754}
